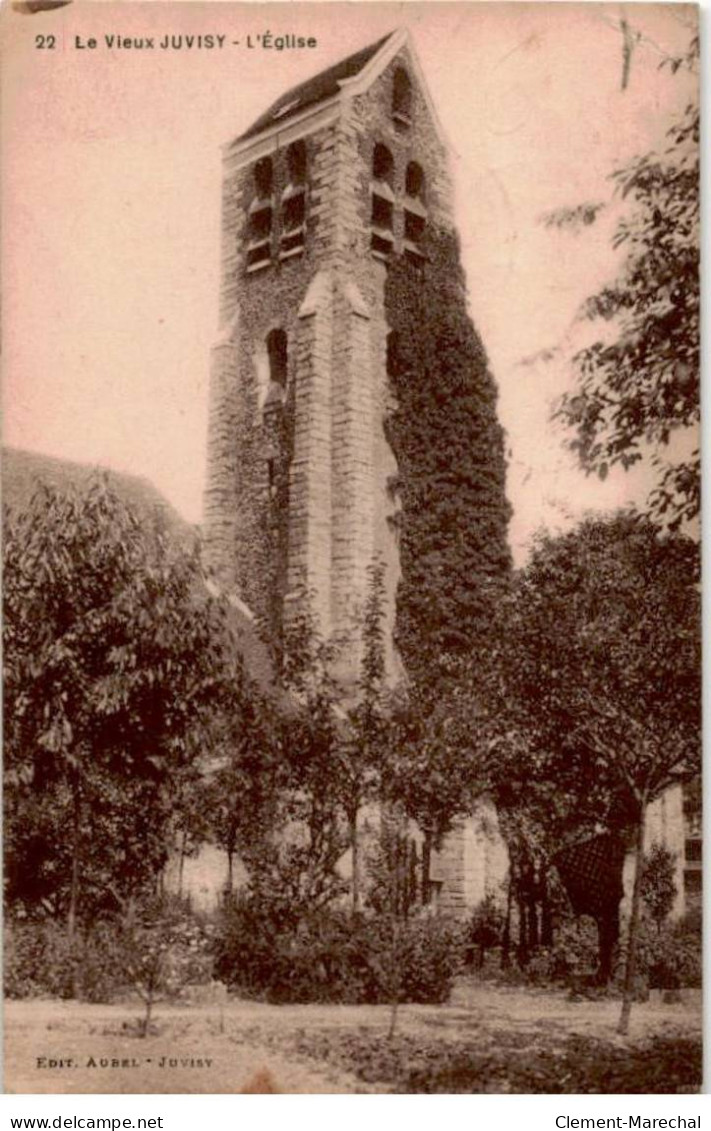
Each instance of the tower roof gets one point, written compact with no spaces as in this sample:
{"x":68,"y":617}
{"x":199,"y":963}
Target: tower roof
{"x":315,"y":90}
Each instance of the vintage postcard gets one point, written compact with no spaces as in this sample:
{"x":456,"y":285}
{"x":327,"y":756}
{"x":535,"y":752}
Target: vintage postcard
{"x":351,"y":548}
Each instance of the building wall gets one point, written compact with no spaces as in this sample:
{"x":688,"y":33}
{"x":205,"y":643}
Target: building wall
{"x":665,"y":825}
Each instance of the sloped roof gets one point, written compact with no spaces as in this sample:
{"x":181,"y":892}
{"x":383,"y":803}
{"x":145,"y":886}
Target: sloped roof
{"x":317,"y":89}
{"x":23,"y":472}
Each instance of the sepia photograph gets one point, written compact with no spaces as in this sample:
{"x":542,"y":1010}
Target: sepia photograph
{"x":351,"y":548}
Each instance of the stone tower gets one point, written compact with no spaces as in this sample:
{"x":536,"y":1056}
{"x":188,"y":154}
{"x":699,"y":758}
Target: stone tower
{"x":340,"y":174}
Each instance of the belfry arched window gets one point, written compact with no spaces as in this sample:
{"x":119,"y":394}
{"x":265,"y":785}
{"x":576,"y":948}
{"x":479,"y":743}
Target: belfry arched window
{"x":415,"y":210}
{"x":261,"y":217}
{"x":278,"y":354}
{"x":382,"y":202}
{"x":293,"y":202}
{"x":278,"y":366}
{"x":402,"y":98}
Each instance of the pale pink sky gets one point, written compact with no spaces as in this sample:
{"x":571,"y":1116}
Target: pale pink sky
{"x":111,"y":209}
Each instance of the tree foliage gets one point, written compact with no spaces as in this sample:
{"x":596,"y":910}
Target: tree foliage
{"x":596,"y":677}
{"x":638,"y":387}
{"x":116,"y":659}
{"x":595,"y":689}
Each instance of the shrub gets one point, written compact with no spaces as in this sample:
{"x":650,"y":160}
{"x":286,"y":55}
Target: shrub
{"x":40,"y":960}
{"x":335,"y":956}
{"x":572,"y":957}
{"x":486,"y":927}
{"x":109,"y":958}
{"x":669,"y":957}
{"x":427,"y":955}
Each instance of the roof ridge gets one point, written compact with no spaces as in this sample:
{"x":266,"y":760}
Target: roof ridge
{"x":324,"y":84}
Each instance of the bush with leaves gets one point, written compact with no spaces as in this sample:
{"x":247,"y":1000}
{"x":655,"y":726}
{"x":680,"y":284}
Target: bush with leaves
{"x":486,"y":927}
{"x":335,"y":956}
{"x":669,"y":956}
{"x":572,"y":958}
{"x":40,"y":960}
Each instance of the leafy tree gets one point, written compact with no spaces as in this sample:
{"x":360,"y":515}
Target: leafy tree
{"x":244,"y":781}
{"x":436,"y":770}
{"x":162,"y":949}
{"x":292,"y":859}
{"x":637,"y":388}
{"x":597,"y":680}
{"x":116,"y":658}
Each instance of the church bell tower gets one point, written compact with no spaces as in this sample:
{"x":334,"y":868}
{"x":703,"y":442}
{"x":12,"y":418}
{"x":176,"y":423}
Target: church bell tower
{"x":340,"y":175}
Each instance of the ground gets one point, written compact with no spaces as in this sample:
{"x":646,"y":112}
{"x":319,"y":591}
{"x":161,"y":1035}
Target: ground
{"x":251,"y":1046}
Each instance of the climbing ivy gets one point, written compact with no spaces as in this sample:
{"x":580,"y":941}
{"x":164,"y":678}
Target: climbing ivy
{"x":444,"y":432}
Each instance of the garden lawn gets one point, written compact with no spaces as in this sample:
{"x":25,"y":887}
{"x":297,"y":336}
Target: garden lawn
{"x":488,"y":1039}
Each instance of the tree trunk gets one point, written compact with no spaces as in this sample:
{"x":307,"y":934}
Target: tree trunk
{"x":546,"y":917}
{"x":631,"y":963}
{"x":506,"y":936}
{"x":412,"y":884}
{"x":522,"y":931}
{"x":532,"y":922}
{"x":608,"y":932}
{"x":76,"y":849}
{"x":145,"y":1025}
{"x":181,"y":861}
{"x":426,"y":867}
{"x":230,"y":870}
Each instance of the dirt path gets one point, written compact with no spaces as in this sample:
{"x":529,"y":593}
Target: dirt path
{"x":73,"y":1047}
{"x":249,"y":1046}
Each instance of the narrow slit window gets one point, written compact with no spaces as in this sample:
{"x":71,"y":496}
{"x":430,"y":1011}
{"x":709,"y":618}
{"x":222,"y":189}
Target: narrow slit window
{"x":382,"y":202}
